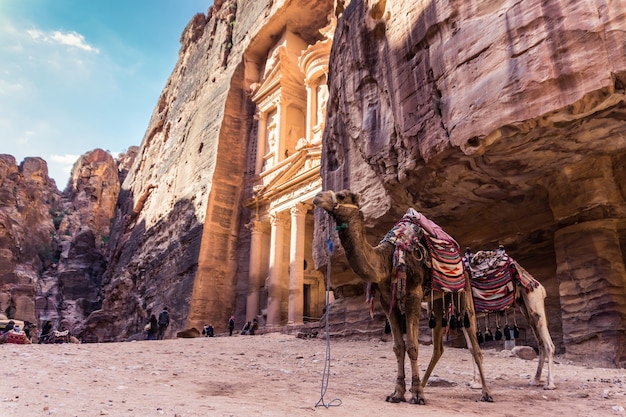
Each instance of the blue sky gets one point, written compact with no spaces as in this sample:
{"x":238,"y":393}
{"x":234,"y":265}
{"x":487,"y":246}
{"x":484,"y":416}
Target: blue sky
{"x":77,"y":75}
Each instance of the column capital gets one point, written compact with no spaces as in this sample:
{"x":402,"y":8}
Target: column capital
{"x":299,"y":209}
{"x":255,"y":226}
{"x":276,"y":218}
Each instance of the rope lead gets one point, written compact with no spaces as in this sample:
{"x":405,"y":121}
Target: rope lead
{"x":326,"y":373}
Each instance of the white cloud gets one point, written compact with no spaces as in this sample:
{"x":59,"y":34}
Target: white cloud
{"x":26,"y":137}
{"x":9,"y":87}
{"x":72,"y":39}
{"x":60,"y":167}
{"x":64,"y":159}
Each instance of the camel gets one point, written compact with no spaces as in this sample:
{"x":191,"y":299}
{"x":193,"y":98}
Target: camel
{"x":374,"y":266}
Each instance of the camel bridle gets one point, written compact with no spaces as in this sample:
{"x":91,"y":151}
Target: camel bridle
{"x":341,"y":205}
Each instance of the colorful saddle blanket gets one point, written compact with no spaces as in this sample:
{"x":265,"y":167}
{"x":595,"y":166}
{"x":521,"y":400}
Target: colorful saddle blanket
{"x":493,"y":276}
{"x":441,"y":255}
{"x":447,"y":266}
{"x":16,"y":337}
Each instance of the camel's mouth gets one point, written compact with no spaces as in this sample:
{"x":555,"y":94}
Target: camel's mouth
{"x":325,"y":200}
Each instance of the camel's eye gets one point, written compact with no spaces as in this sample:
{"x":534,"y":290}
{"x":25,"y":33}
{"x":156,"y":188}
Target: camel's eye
{"x":341,"y":196}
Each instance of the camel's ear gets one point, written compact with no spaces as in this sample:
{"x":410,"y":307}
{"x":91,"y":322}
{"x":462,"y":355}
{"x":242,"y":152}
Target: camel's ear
{"x":357,"y":199}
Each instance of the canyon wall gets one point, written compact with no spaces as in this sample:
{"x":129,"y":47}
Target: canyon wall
{"x":505,"y":123}
{"x":53,"y":243}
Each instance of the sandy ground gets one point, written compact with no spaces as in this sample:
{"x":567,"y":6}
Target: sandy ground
{"x":281,"y":375}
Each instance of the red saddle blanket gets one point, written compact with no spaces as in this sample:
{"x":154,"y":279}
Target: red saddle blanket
{"x":17,"y":338}
{"x":447,"y":266}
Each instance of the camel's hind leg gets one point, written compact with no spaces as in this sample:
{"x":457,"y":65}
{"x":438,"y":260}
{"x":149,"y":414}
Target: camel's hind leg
{"x":532,"y":305}
{"x":472,"y":344}
{"x":437,"y":341}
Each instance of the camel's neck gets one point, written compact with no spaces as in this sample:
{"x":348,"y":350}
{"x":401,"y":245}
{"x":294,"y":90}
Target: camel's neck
{"x":363,"y":258}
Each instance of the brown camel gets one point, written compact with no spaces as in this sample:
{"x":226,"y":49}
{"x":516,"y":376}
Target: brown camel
{"x":374,"y":266}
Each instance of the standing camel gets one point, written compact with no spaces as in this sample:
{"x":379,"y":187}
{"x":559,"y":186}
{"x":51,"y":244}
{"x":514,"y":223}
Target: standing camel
{"x":374,"y":266}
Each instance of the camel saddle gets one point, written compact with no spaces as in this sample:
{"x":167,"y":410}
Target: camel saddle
{"x":493,"y":277}
{"x":415,"y":233}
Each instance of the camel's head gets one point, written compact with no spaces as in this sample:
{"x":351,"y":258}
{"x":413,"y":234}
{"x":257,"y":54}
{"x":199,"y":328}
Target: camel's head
{"x":333,"y":202}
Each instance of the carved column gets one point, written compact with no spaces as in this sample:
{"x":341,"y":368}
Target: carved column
{"x":296,"y":264}
{"x":281,"y":129}
{"x":276,"y":261}
{"x":586,"y":202}
{"x":260,"y":143}
{"x":255,"y":273}
{"x":311,"y":109}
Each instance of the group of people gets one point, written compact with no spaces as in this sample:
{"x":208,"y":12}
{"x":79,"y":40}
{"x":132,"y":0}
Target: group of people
{"x":14,"y":333}
{"x":156,"y":326}
{"x":250,"y":328}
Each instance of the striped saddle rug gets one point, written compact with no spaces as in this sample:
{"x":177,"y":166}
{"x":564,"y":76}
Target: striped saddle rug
{"x":447,"y":266}
{"x":493,"y":276}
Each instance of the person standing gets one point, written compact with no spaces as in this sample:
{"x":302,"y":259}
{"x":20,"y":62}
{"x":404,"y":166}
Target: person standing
{"x":153,"y":328}
{"x":164,"y":321}
{"x":231,"y":325}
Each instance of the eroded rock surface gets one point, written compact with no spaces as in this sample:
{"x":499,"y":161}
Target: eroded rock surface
{"x":505,"y":124}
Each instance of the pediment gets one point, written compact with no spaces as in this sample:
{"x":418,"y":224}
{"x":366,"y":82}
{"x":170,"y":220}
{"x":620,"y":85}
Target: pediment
{"x":284,"y":73}
{"x":284,"y":176}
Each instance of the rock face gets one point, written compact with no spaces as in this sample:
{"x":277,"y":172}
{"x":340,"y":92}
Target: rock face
{"x":53,"y":243}
{"x":178,"y":187}
{"x":27,"y":197}
{"x":504,"y":123}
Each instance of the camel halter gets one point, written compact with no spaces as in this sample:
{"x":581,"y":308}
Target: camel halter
{"x":335,"y":204}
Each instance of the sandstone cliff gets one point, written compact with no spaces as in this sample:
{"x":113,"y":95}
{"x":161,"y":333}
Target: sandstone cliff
{"x":53,"y":244}
{"x":503,"y":122}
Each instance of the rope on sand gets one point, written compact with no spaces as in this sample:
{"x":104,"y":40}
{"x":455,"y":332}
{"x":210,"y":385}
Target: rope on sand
{"x":326,"y":373}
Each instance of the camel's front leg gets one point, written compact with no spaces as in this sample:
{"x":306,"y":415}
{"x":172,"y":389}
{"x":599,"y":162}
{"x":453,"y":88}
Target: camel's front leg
{"x":472,"y":344}
{"x":413,"y":309}
{"x":399,"y":349}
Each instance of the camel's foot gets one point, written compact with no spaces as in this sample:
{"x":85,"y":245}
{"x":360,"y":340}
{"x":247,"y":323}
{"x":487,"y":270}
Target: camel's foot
{"x":417,"y":399}
{"x":486,"y":398}
{"x":394,"y":398}
{"x":550,"y":386}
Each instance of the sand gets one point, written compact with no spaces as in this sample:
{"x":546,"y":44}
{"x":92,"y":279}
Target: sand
{"x":281,"y":375}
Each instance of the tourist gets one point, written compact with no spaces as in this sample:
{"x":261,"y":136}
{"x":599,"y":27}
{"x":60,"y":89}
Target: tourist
{"x":153,"y":328}
{"x":208,"y":331}
{"x":164,"y":322}
{"x":231,"y":325}
{"x":246,"y":328}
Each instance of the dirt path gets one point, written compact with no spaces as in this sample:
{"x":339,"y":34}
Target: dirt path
{"x":281,"y":375}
